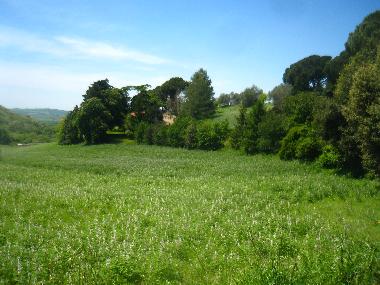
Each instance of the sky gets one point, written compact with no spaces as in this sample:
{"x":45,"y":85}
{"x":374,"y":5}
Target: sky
{"x":51,"y":51}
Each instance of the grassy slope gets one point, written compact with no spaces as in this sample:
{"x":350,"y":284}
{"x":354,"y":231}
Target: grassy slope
{"x":146,"y":214}
{"x":227,"y":113}
{"x":24,"y":129}
{"x":45,"y":115}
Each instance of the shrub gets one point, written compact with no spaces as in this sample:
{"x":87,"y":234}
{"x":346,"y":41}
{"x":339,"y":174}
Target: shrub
{"x":191,"y":141}
{"x":176,"y":132}
{"x":300,"y":142}
{"x":148,"y":134}
{"x":160,"y":134}
{"x":237,"y":133}
{"x":68,"y":130}
{"x":289,"y":142}
{"x":308,"y":148}
{"x":271,"y":130}
{"x":140,"y":132}
{"x":329,"y":158}
{"x":211,"y":136}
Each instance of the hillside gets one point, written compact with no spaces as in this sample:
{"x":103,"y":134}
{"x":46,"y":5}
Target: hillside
{"x":23,"y":129}
{"x":135,"y":214}
{"x":227,"y":113}
{"x":45,"y":115}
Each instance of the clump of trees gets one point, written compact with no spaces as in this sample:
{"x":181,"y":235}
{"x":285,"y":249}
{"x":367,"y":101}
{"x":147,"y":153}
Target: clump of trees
{"x":327,"y":109}
{"x":246,"y":98}
{"x":105,"y":108}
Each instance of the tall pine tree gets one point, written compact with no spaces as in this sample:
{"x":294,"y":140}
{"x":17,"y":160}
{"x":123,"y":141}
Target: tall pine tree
{"x":199,"y":97}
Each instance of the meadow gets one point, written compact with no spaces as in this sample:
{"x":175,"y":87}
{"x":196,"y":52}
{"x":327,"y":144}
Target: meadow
{"x":133,"y":214}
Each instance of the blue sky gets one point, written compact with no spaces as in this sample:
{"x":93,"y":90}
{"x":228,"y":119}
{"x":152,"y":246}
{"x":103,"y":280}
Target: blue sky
{"x":51,"y":51}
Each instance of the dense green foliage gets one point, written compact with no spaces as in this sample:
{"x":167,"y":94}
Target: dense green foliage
{"x":185,"y":132}
{"x":199,"y":97}
{"x":169,"y":93}
{"x":246,"y":98}
{"x":15,"y":128}
{"x":327,"y":110}
{"x":104,"y":107}
{"x":326,"y":106}
{"x":119,"y":214}
{"x":308,"y":74}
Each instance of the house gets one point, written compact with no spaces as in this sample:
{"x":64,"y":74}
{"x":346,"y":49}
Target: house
{"x":168,"y":118}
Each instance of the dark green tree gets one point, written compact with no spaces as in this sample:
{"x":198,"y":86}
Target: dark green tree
{"x":250,"y":95}
{"x":362,"y":113}
{"x":92,"y":121}
{"x":146,"y":106}
{"x":237,"y":134}
{"x":169,"y":94}
{"x":308,"y":74}
{"x":279,"y":93}
{"x":251,"y":134}
{"x":115,"y":100}
{"x":199,"y":97}
{"x":68,"y":131}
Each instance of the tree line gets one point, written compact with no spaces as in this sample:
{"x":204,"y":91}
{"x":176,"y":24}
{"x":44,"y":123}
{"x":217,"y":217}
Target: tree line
{"x":327,"y":110}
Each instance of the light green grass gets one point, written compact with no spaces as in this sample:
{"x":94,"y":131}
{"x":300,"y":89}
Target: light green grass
{"x":227,"y":113}
{"x":119,"y":214}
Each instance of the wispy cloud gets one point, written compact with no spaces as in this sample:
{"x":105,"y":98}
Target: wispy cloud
{"x":65,"y":46}
{"x":104,"y":50}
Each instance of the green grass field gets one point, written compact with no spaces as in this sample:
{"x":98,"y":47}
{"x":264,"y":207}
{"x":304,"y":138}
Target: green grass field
{"x":131,"y":214}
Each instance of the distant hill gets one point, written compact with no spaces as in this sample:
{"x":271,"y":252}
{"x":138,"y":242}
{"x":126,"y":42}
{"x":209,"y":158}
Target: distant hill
{"x":21,"y":129}
{"x":45,"y":115}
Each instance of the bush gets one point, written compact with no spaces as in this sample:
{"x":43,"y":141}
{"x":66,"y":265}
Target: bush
{"x":160,"y":134}
{"x":300,"y":142}
{"x":329,"y":158}
{"x":176,"y":132}
{"x":148,"y":134}
{"x":271,"y":130}
{"x":289,"y":142}
{"x":308,"y":149}
{"x":191,"y":140}
{"x":211,"y":136}
{"x":140,"y":132}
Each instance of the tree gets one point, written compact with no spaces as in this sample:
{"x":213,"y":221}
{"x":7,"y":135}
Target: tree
{"x":96,"y":89}
{"x":308,"y":74}
{"x":146,"y":106}
{"x":279,"y":93}
{"x":92,"y":120}
{"x":199,"y":97}
{"x":251,"y":134}
{"x":169,"y":93}
{"x":299,"y":108}
{"x":271,"y":129}
{"x":223,"y":100}
{"x":366,"y":37}
{"x":250,"y":95}
{"x":68,"y":132}
{"x":115,"y":100}
{"x":362,"y":113}
{"x":237,"y":134}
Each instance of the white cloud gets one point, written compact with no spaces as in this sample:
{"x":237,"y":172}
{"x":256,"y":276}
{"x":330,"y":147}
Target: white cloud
{"x":64,"y":46}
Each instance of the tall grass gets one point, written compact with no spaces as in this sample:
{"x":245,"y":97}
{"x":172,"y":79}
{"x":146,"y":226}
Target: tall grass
{"x":117,"y":214}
